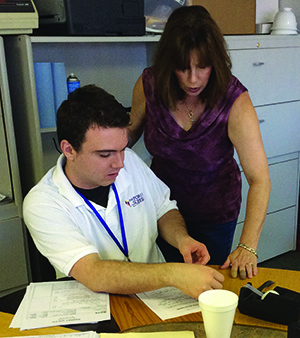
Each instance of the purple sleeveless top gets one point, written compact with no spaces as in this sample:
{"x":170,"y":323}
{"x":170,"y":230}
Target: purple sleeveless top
{"x":198,"y":164}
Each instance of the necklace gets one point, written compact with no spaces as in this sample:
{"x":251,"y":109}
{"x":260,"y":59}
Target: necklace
{"x":190,"y":113}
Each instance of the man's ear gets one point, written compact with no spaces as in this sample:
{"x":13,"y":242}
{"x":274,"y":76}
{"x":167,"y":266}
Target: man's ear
{"x":67,"y":149}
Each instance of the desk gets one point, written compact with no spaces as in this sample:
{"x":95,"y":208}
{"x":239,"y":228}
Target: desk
{"x":129,"y":311}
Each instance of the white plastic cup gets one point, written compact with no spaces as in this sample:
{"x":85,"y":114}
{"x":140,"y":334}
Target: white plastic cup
{"x":218,"y":309}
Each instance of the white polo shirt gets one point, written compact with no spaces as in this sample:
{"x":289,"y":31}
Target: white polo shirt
{"x":65,"y":229}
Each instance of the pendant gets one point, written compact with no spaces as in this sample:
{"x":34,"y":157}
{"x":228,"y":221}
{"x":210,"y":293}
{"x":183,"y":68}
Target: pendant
{"x":191,"y":117}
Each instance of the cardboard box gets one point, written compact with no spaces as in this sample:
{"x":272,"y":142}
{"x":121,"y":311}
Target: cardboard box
{"x":232,"y":16}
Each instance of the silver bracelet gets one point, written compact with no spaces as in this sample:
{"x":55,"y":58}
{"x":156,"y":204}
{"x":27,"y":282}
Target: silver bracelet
{"x":246,"y":247}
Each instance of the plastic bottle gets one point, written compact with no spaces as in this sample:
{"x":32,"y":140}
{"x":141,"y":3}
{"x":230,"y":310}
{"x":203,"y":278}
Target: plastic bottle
{"x":72,"y":82}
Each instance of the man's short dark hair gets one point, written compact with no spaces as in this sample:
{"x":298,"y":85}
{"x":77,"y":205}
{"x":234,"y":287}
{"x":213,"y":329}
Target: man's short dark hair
{"x":86,"y":107}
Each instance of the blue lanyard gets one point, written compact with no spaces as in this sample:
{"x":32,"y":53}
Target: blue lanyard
{"x":123,"y":248}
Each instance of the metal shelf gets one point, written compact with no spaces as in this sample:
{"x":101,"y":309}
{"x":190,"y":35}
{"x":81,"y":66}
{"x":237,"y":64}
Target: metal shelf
{"x":94,"y":39}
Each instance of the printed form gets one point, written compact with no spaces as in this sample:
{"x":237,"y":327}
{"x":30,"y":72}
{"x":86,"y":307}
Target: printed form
{"x":86,"y":334}
{"x":169,"y":302}
{"x":60,"y":303}
{"x":92,"y":334}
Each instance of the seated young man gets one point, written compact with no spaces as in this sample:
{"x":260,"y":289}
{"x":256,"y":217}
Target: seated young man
{"x":96,"y":214}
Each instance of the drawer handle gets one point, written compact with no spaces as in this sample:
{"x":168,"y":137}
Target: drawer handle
{"x":261,"y":121}
{"x":258,"y":64}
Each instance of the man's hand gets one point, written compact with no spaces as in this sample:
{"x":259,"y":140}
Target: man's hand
{"x":242,"y":263}
{"x":193,"y":279}
{"x":172,"y":229}
{"x":194,"y":251}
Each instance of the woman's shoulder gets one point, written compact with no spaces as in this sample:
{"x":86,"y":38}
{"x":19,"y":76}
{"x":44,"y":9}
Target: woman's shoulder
{"x":234,"y":90}
{"x":237,"y":84}
{"x":149,"y":84}
{"x":148,"y":73}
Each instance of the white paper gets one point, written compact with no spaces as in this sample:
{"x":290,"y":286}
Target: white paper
{"x":169,"y":302}
{"x":266,"y":10}
{"x":164,"y":334}
{"x":60,"y":303}
{"x":92,"y":334}
{"x":86,"y":334}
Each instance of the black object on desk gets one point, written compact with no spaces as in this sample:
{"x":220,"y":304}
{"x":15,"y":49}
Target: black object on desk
{"x":11,"y":302}
{"x":294,"y":330}
{"x":282,"y":308}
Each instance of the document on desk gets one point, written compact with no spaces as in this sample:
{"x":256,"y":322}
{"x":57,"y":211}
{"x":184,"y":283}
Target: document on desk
{"x":93,"y":334}
{"x":60,"y":303}
{"x":169,"y":302}
{"x":86,"y":334}
{"x":164,"y":334}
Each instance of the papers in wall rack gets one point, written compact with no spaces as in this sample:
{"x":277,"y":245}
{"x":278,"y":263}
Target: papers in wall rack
{"x":169,"y":302}
{"x":4,"y":199}
{"x":60,"y":303}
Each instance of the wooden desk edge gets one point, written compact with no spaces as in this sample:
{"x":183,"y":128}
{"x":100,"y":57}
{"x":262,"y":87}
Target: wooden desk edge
{"x":6,"y":331}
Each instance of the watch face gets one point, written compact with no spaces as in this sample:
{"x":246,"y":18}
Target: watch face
{"x":19,"y":6}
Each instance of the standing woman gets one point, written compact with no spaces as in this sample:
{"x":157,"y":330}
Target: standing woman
{"x":193,"y":113}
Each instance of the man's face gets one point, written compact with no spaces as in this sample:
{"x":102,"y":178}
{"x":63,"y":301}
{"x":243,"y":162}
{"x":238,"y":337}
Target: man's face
{"x":100,"y":158}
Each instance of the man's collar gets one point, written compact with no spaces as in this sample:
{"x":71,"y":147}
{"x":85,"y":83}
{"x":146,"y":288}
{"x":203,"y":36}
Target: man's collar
{"x":66,"y":189}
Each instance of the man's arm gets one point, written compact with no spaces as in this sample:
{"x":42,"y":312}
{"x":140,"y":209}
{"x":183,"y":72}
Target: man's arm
{"x":129,"y":278}
{"x":172,"y":228}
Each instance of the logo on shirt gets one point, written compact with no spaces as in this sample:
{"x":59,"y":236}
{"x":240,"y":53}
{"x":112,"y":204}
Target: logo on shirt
{"x":135,"y":200}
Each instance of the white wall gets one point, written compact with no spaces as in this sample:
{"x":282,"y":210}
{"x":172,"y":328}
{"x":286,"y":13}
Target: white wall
{"x":266,"y":10}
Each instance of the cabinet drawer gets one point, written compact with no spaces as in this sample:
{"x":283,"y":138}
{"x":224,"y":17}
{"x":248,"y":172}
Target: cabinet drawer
{"x":13,"y":265}
{"x":280,"y":128}
{"x":278,"y":234}
{"x":271,"y":75}
{"x":284,"y":188}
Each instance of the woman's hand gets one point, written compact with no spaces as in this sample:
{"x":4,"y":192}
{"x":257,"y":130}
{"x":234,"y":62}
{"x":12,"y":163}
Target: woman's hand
{"x":242,"y":262}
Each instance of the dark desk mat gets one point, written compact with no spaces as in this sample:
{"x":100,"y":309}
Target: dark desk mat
{"x":238,"y":331}
{"x":11,"y":302}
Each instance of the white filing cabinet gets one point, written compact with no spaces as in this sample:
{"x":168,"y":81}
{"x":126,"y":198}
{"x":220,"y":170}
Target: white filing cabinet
{"x":269,"y":67}
{"x":266,"y":65}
